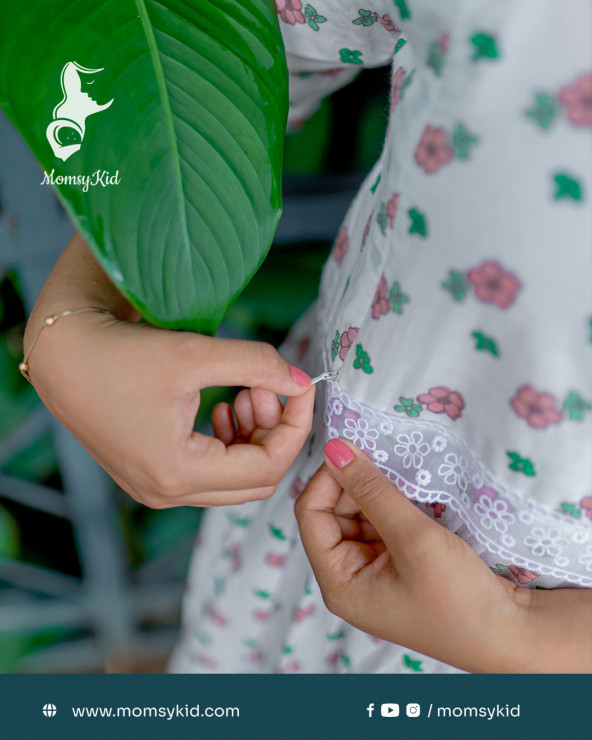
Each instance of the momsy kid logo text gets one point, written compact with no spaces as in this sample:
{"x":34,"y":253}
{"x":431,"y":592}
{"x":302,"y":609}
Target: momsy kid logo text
{"x":66,"y":132}
{"x":100,"y":177}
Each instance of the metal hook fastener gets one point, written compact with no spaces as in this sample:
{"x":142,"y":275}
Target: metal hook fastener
{"x":325,"y":376}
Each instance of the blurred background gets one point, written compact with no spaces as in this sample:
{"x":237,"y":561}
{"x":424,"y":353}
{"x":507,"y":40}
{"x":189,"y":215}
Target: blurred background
{"x":91,"y":581}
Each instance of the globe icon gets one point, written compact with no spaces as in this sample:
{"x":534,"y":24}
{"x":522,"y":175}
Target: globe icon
{"x":49,"y":710}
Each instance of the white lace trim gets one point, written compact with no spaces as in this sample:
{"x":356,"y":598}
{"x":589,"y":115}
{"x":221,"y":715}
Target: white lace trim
{"x":432,"y":464}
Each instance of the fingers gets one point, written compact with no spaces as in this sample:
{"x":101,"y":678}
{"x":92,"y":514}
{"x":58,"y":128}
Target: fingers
{"x":230,"y":362}
{"x":242,"y":466}
{"x":319,"y":528}
{"x":223,"y":423}
{"x":396,"y":520}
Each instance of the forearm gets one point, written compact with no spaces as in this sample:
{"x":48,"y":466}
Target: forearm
{"x":77,"y":281}
{"x":557,"y":631}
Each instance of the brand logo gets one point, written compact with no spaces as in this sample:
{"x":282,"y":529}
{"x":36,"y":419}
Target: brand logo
{"x":66,"y":132}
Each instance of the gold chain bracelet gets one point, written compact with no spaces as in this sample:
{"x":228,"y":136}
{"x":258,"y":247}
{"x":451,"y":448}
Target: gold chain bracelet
{"x":50,"y":321}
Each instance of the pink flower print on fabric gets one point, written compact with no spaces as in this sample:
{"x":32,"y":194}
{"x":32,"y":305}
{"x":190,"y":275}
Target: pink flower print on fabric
{"x":433,"y":151}
{"x":493,"y":284}
{"x":207,"y":662}
{"x":522,"y":574}
{"x":331,"y":72}
{"x":341,"y":246}
{"x":397,"y":87}
{"x":386,"y":22}
{"x":275,"y":560}
{"x":381,"y":304}
{"x":333,"y":659}
{"x":391,"y":209}
{"x":290,"y":11}
{"x":216,"y":616}
{"x":303,"y":347}
{"x":234,"y":552}
{"x":298,"y":485}
{"x":577,"y":99}
{"x":260,"y":615}
{"x":346,"y":340}
{"x":442,"y":400}
{"x":444,"y":43}
{"x":586,"y":504}
{"x":291,"y":667}
{"x":539,"y":409}
{"x":302,"y":614}
{"x":439,"y":509}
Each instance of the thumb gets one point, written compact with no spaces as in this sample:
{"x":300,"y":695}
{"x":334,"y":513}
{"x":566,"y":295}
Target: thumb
{"x":393,"y":516}
{"x":232,"y":362}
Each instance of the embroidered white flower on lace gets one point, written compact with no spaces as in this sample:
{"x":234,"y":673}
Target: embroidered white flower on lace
{"x":332,"y":433}
{"x":545,"y":541}
{"x":336,"y":407}
{"x":477,"y":481}
{"x":525,"y":517}
{"x":465,"y":500}
{"x":508,"y":540}
{"x":359,"y":432}
{"x":439,"y":443}
{"x":412,"y":449}
{"x":579,"y":537}
{"x":423,"y":477}
{"x":379,"y":456}
{"x":494,"y":513}
{"x":454,"y":471}
{"x":586,"y":558}
{"x":385,"y":427}
{"x":562,"y":561}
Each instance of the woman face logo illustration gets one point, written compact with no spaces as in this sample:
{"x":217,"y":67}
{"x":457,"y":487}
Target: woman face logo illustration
{"x":66,"y":132}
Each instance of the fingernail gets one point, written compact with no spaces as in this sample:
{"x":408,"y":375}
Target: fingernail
{"x":300,"y":376}
{"x":338,"y":453}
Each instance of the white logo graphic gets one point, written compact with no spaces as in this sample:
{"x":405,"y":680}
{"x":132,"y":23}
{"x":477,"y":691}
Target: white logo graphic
{"x":49,"y":710}
{"x":389,"y":710}
{"x":66,"y":132}
{"x":413,"y":710}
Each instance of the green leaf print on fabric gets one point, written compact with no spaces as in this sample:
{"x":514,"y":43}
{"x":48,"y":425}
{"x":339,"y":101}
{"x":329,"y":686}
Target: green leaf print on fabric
{"x":544,"y":110}
{"x":407,"y":80}
{"x":414,"y":665}
{"x":403,"y":9}
{"x":418,"y":223}
{"x":485,"y":47}
{"x":571,"y":509}
{"x":437,"y":53}
{"x":409,"y":407}
{"x":400,"y":44}
{"x":520,"y":464}
{"x":346,"y":661}
{"x":276,"y":532}
{"x":313,"y":18}
{"x":261,"y":594}
{"x":382,"y":218}
{"x":336,"y":635}
{"x":397,"y":298}
{"x":362,"y":361}
{"x":349,"y":56}
{"x":335,"y":345}
{"x":499,"y":567}
{"x":567,"y":187}
{"x":575,"y":406}
{"x":346,"y":287}
{"x":286,"y":650}
{"x":366,"y":18}
{"x":373,"y":188}
{"x":463,"y":141}
{"x":237,"y":521}
{"x":457,"y":285}
{"x":486,"y":344}
{"x":219,"y":586}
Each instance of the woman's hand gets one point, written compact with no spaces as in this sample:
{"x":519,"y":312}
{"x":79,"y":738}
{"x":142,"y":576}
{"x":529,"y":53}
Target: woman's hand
{"x":130,"y":393}
{"x":389,"y":570}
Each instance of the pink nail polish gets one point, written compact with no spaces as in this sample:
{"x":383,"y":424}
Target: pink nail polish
{"x":338,"y":453}
{"x":300,"y":376}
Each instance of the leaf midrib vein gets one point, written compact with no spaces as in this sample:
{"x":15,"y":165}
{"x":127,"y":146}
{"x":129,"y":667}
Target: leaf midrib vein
{"x":166,"y":103}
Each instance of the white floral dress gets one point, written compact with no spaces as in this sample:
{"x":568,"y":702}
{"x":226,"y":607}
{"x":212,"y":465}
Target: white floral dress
{"x":457,"y":305}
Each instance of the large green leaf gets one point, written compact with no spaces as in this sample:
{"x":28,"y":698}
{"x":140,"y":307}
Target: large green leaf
{"x":195,"y":132}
